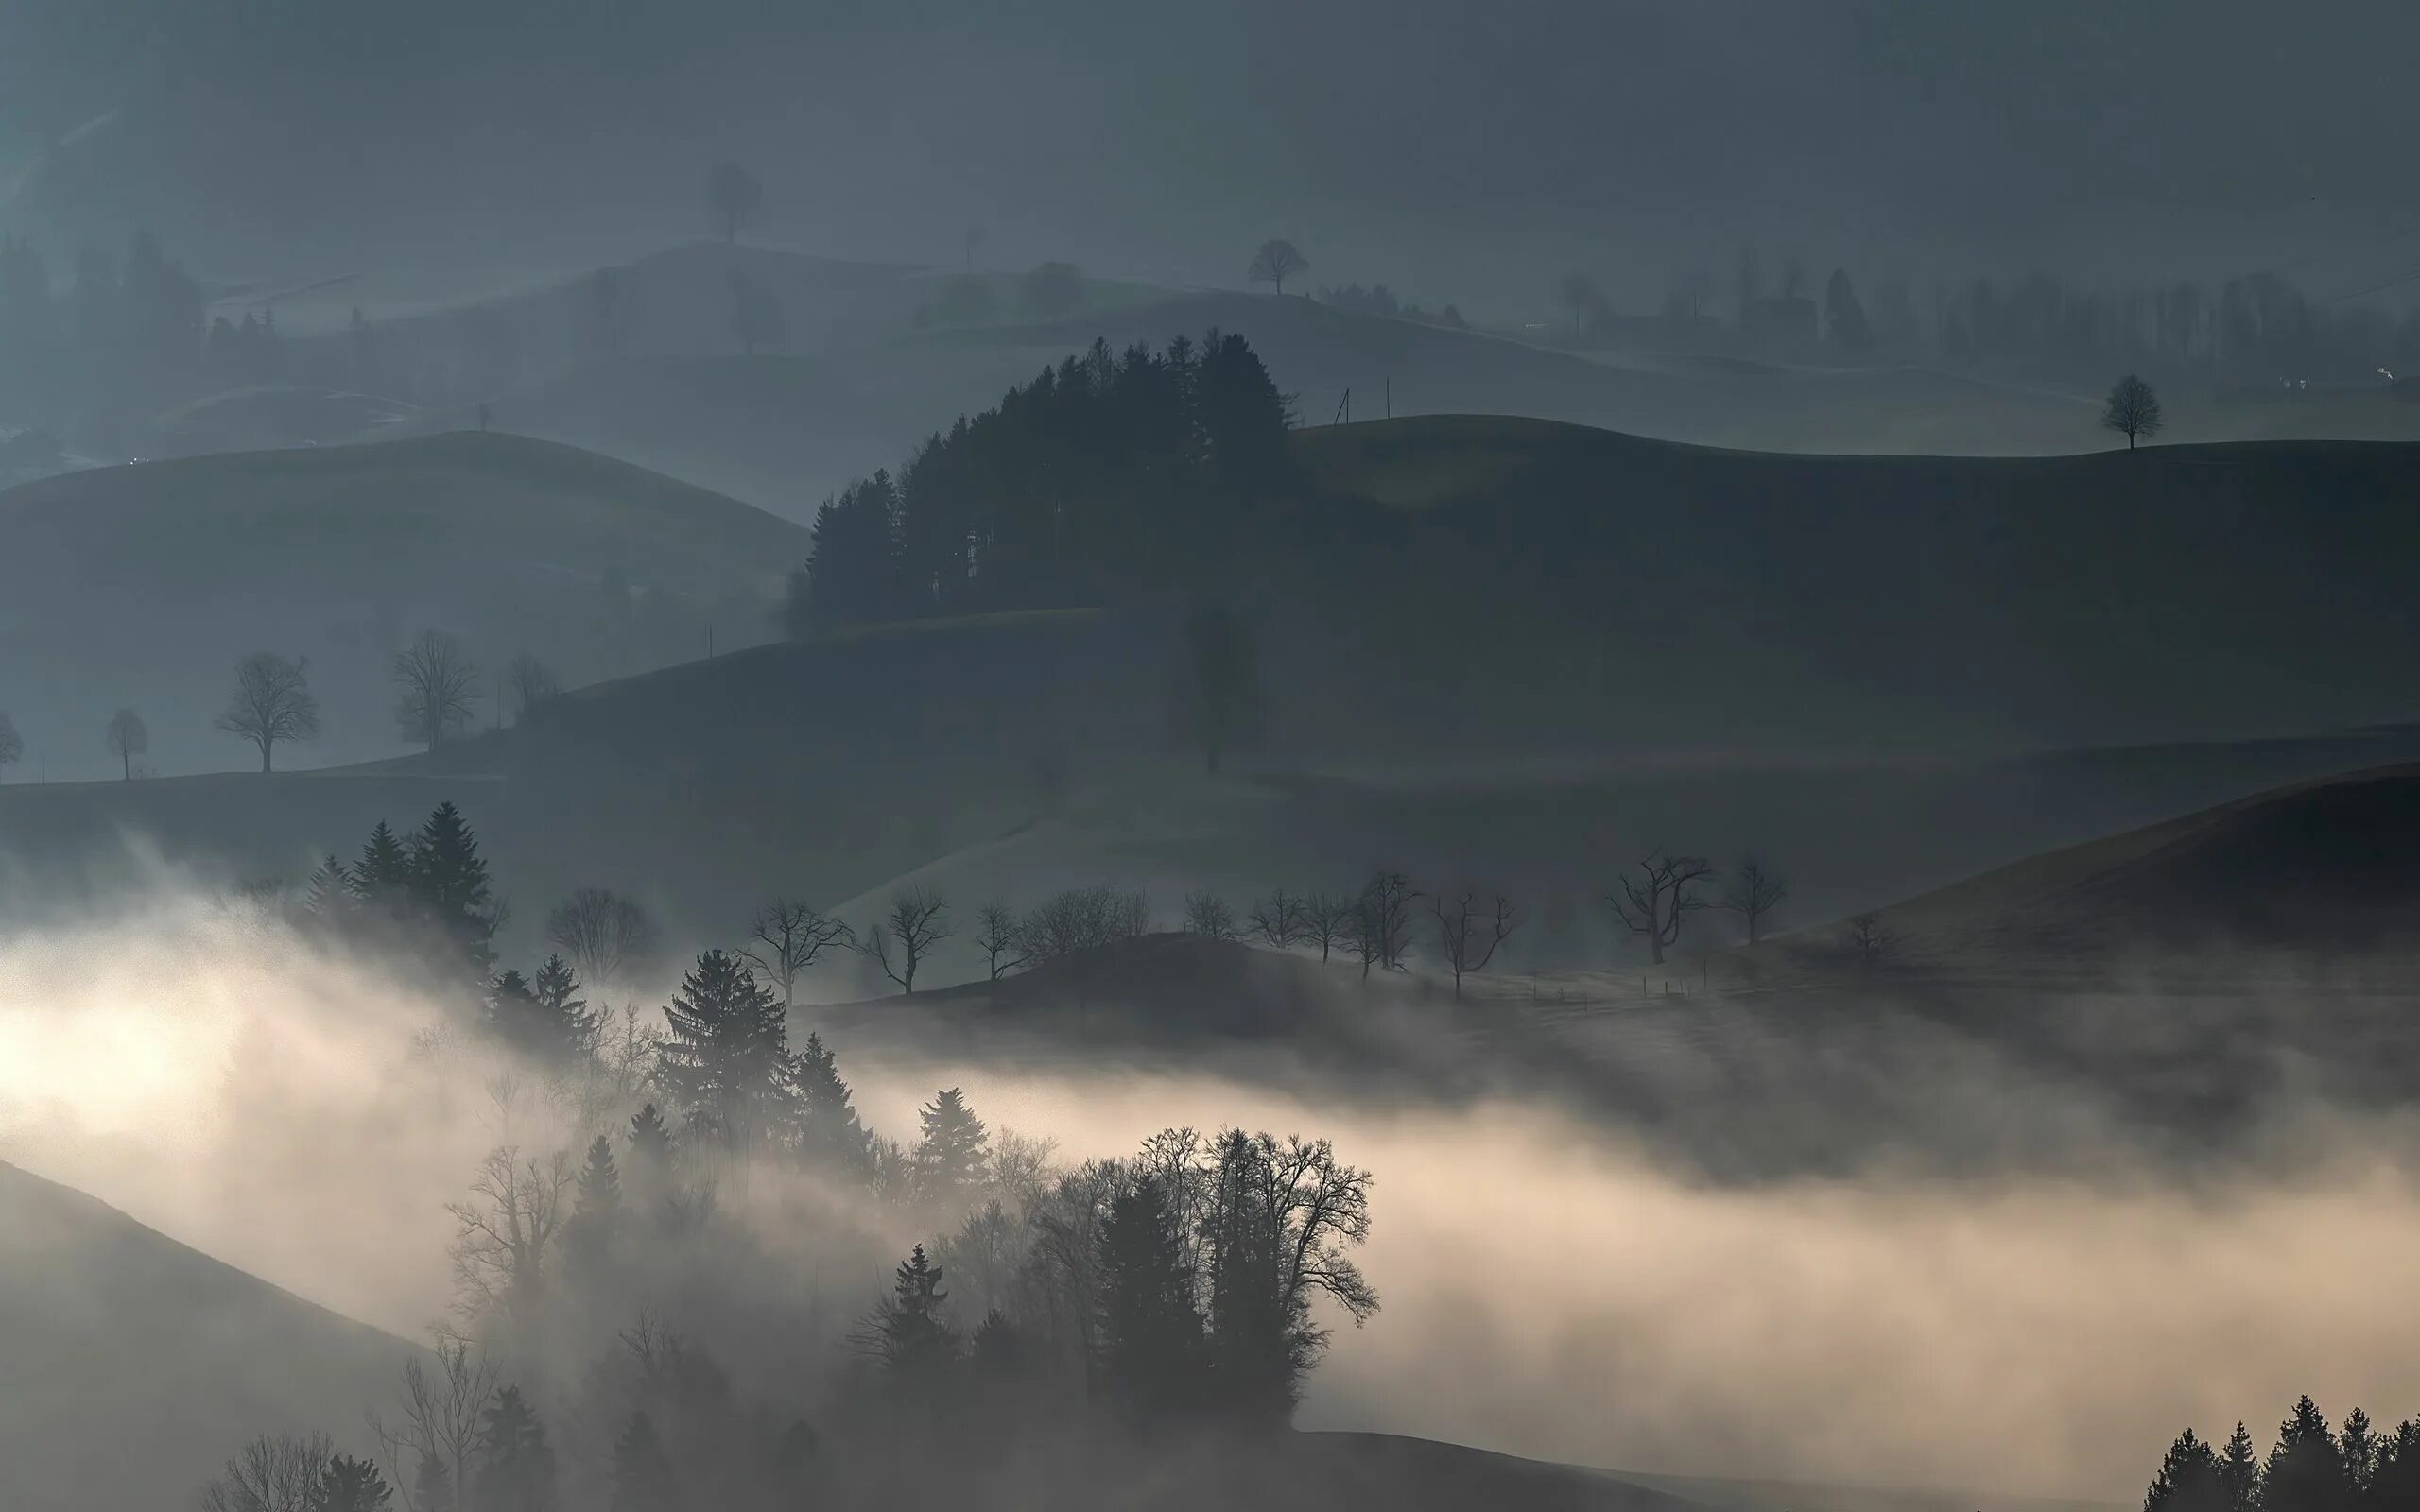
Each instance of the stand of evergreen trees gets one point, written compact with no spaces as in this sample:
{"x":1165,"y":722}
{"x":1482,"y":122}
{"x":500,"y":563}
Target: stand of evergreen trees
{"x":2312,"y":1467}
{"x":1111,"y":471}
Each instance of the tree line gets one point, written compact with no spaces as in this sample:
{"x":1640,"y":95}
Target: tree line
{"x":2310,"y":1468}
{"x":1108,"y":471}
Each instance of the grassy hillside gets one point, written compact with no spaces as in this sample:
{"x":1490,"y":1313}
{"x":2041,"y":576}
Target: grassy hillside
{"x":108,"y":1324}
{"x":2167,"y":593}
{"x":141,"y":585}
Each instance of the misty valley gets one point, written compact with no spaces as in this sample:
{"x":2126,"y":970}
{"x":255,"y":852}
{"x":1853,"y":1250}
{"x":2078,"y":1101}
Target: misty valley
{"x":1613,"y":757}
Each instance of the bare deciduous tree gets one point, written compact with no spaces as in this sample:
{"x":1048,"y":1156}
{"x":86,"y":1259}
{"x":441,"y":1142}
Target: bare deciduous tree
{"x":502,"y":1235}
{"x":277,"y":1473}
{"x":1382,"y":921}
{"x":530,"y":682}
{"x":127,"y":737}
{"x":440,"y":684}
{"x":1664,"y":895}
{"x":273,"y":702}
{"x":2133,"y":410}
{"x":1083,"y":919}
{"x":1468,"y":939}
{"x":1207,"y":914}
{"x":1754,"y":892}
{"x":1278,"y":920}
{"x":1869,"y":940}
{"x":1000,"y":935}
{"x":786,"y":938}
{"x":1277,"y":261}
{"x":441,"y":1422}
{"x":608,"y":936}
{"x":916,"y":923}
{"x":1328,"y":920}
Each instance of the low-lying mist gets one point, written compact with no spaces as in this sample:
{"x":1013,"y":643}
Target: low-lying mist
{"x":1550,"y":1287}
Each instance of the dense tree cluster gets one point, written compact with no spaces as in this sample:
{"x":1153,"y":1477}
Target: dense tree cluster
{"x":2359,"y":1468}
{"x":428,"y":893}
{"x":1108,"y":470}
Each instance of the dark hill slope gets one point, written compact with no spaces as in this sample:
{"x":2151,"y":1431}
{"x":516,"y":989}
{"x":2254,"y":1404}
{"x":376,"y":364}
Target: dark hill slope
{"x":141,"y":586}
{"x":131,"y":1367}
{"x":2173,"y":592}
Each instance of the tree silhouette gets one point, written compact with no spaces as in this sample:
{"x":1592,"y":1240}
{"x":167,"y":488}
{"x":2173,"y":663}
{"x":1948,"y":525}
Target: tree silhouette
{"x":641,"y":1473}
{"x":595,"y":1223}
{"x":1000,"y":935}
{"x":516,"y":1469}
{"x":2239,"y":1472}
{"x":726,"y":1055}
{"x":530,"y":682}
{"x":1328,"y":920}
{"x":732,"y":195}
{"x":439,"y":684}
{"x":348,"y":1485}
{"x":272,"y":1473}
{"x":1869,"y":939}
{"x":2189,"y":1478}
{"x":12,"y":745}
{"x":1277,"y":261}
{"x":2306,"y":1468}
{"x":908,"y":1332}
{"x":447,"y":881}
{"x":786,"y":937}
{"x":1753,"y":893}
{"x":2133,"y":410}
{"x":906,"y":938}
{"x":1469,"y":940}
{"x":830,"y":1135}
{"x":127,"y":737}
{"x":273,"y":702}
{"x":1382,"y":921}
{"x":1151,"y":1350}
{"x":504,"y":1236}
{"x":1661,"y":899}
{"x":608,"y":936}
{"x":954,"y":1151}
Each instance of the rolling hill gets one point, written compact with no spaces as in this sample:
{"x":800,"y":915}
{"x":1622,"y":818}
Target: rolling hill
{"x":141,"y":585}
{"x":108,"y":1324}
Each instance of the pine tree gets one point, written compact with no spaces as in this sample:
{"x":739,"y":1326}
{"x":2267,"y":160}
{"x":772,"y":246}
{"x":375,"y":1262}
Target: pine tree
{"x":954,"y":1154}
{"x":830,"y":1135}
{"x":516,"y":1469}
{"x":448,"y":882}
{"x":2395,"y":1474}
{"x":2305,"y":1469}
{"x":2358,"y":1445}
{"x":510,"y":1012}
{"x":383,"y":872}
{"x":350,"y":1485}
{"x":909,"y":1331}
{"x":1150,"y":1333}
{"x":2239,"y":1472}
{"x":726,"y":1058}
{"x":432,"y":1487}
{"x":596,"y":1216}
{"x":331,"y":896}
{"x":2189,"y":1478}
{"x":641,"y":1473}
{"x":569,"y":1026}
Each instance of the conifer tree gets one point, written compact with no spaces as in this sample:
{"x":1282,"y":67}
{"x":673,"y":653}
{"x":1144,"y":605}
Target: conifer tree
{"x":515,"y":1469}
{"x":2239,"y":1472}
{"x":909,"y":1331}
{"x":432,"y":1487}
{"x":2395,"y":1474}
{"x":650,"y":1161}
{"x":448,"y":882}
{"x":351,"y":1485}
{"x":725,"y":1057}
{"x":2305,"y":1469}
{"x":330,"y":895}
{"x":596,"y":1213}
{"x":2358,"y":1442}
{"x":383,"y":872}
{"x":1254,"y":1323}
{"x":2189,"y":1479}
{"x":568,"y":1026}
{"x":1150,"y":1331}
{"x":510,"y":1012}
{"x":830,"y":1135}
{"x":954,"y":1154}
{"x":641,"y":1473}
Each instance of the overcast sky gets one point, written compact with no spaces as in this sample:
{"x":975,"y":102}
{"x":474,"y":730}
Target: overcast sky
{"x":1462,"y":150}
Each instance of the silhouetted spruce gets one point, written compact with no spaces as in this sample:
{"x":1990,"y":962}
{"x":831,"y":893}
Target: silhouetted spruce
{"x":515,"y":1469}
{"x":1151,"y":1357}
{"x":2305,"y":1469}
{"x":2189,"y":1479}
{"x":830,"y":1135}
{"x":351,"y":1485}
{"x":952,"y":1155}
{"x":725,"y":1056}
{"x":908,"y":1332}
{"x":448,"y":882}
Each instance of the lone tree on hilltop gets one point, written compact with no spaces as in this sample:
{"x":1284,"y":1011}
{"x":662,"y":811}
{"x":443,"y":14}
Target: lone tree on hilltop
{"x":127,"y":737}
{"x":1663,"y":894}
{"x":1754,"y":892}
{"x":732,"y":195}
{"x":439,"y":684}
{"x":272,"y":701}
{"x":2133,"y":410}
{"x":1277,"y":261}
